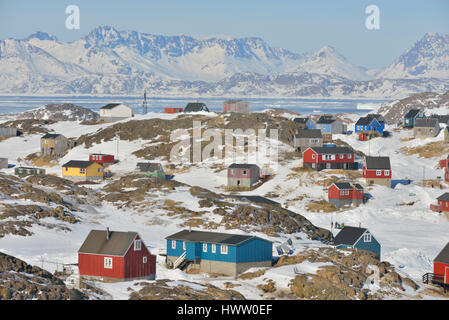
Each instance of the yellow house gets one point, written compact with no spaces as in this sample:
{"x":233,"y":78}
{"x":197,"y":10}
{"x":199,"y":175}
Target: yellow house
{"x":79,"y":170}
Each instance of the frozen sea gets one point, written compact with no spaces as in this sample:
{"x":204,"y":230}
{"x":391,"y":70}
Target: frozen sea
{"x":17,"y":104}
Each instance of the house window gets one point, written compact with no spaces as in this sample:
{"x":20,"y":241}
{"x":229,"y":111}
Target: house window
{"x":232,"y":171}
{"x":314,"y":141}
{"x":66,"y":169}
{"x":342,"y":156}
{"x":349,"y":156}
{"x":224,"y":249}
{"x":173,"y":244}
{"x":214,"y":248}
{"x":347,"y":192}
{"x":378,"y":172}
{"x":145,"y":259}
{"x":367,"y":237}
{"x":342,"y":192}
{"x":387,"y":172}
{"x":204,"y":247}
{"x":137,"y":245}
{"x":108,"y":263}
{"x":244,"y":171}
{"x":313,"y":156}
{"x":82,"y":170}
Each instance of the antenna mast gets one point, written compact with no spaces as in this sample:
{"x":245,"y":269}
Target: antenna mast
{"x":144,"y":103}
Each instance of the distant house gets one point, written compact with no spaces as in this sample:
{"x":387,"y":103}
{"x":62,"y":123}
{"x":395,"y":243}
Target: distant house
{"x":425,"y":128}
{"x":25,"y":171}
{"x":445,"y":165}
{"x":329,"y":124}
{"x":446,"y":134}
{"x":443,"y":203}
{"x":173,"y":110}
{"x":377,"y":170}
{"x":115,"y":112}
{"x":319,"y":158}
{"x":101,"y":158}
{"x":3,"y":163}
{"x":78,"y":170}
{"x":243,"y":175}
{"x":218,"y":253}
{"x":259,"y":200}
{"x":442,"y":118}
{"x":305,"y":121}
{"x":411,"y":116}
{"x":153,"y":169}
{"x":238,"y":106}
{"x":369,"y":126}
{"x":8,"y":132}
{"x":115,"y":256}
{"x":195,"y":107}
{"x":345,"y":194}
{"x":307,"y":138}
{"x":441,"y":267}
{"x":357,"y":238}
{"x":53,"y":144}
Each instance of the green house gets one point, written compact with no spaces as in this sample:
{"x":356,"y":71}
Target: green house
{"x":152,"y":169}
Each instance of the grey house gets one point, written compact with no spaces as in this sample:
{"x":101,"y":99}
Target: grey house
{"x":329,"y":124}
{"x":195,"y":107}
{"x":115,"y":112}
{"x":8,"y":132}
{"x":243,"y":175}
{"x":425,"y":128}
{"x":307,"y":138}
{"x":153,"y":169}
{"x":411,"y":116}
{"x":25,"y":171}
{"x":53,"y":144}
{"x":3,"y":163}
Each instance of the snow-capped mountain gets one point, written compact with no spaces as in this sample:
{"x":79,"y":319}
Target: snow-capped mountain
{"x":427,"y":58}
{"x":330,"y":62}
{"x":107,"y":61}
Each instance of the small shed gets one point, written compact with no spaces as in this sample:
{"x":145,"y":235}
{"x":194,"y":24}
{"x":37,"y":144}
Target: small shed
{"x":153,"y":169}
{"x":238,"y":106}
{"x":242,"y":175}
{"x":196,"y":107}
{"x":425,"y":128}
{"x":115,"y":112}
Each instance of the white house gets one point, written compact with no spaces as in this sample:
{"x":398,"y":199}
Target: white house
{"x":115,"y":111}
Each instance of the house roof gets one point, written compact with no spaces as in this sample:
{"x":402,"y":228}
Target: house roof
{"x":331,"y":150}
{"x":363,"y":121}
{"x":100,"y":154}
{"x":443,"y":256}
{"x":110,"y":106}
{"x":242,"y":166}
{"x":211,"y":237}
{"x":301,"y":120}
{"x":196,"y":106}
{"x":148,"y":166}
{"x":343,"y":185}
{"x":426,"y":123}
{"x":358,"y":186}
{"x":349,"y":235}
{"x":376,"y":116}
{"x":442,"y":118}
{"x":51,"y":135}
{"x":117,"y":245}
{"x":78,"y":164}
{"x":444,"y":197}
{"x":258,"y":199}
{"x":412,"y":113}
{"x":325,"y":120}
{"x":309,"y":133}
{"x":234,"y":101}
{"x":378,"y":163}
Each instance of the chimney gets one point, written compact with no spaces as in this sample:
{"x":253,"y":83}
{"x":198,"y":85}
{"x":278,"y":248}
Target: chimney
{"x":360,"y":224}
{"x":107,"y":233}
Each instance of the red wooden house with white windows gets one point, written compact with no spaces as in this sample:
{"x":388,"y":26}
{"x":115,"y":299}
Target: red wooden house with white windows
{"x":319,"y":158}
{"x":377,"y":170}
{"x":440,"y":273}
{"x":243,"y":175}
{"x":344,"y":193}
{"x":445,"y":165}
{"x":102,"y":158}
{"x":116,"y":256}
{"x":443,"y":203}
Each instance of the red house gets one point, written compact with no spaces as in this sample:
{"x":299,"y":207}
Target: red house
{"x":344,"y":193}
{"x":116,"y":256}
{"x":377,"y":170}
{"x":445,"y":164}
{"x":443,"y":203}
{"x":319,"y":158}
{"x":173,"y":110}
{"x":102,"y":158}
{"x":440,"y":274}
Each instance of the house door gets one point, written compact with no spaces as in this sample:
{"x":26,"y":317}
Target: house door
{"x":238,"y":182}
{"x":328,"y":165}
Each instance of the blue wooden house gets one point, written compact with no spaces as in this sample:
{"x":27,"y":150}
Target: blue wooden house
{"x":306,"y":121}
{"x":357,"y":238}
{"x":218,"y":253}
{"x":370,"y":124}
{"x":411,"y":116}
{"x":329,"y":124}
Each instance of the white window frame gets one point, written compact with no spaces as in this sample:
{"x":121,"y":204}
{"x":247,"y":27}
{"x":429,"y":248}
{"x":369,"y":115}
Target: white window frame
{"x":378,"y":172}
{"x":349,"y":156}
{"x":313,"y":155}
{"x":137,"y":245}
{"x":145,"y":259}
{"x":342,"y":156}
{"x":342,"y":192}
{"x":214,"y":248}
{"x":346,"y":192}
{"x":173,"y":244}
{"x":107,"y":262}
{"x":387,"y":172}
{"x":367,"y":237}
{"x":204,"y":247}
{"x":224,"y":249}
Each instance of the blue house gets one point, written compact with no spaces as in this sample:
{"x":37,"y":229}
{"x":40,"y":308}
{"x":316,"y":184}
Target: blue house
{"x":411,"y":116}
{"x":372,"y":123}
{"x":357,"y":238}
{"x":218,"y":253}
{"x":329,"y":124}
{"x":306,"y":121}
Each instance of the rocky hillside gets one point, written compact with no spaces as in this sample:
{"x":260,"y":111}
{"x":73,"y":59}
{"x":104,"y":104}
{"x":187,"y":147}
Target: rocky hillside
{"x":60,"y":112}
{"x":21,"y":281}
{"x":394,"y":111}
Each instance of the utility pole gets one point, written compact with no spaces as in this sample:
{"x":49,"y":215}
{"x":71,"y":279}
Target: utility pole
{"x":144,"y":103}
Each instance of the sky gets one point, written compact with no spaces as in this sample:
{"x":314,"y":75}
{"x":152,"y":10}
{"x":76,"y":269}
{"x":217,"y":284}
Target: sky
{"x":299,"y":26}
